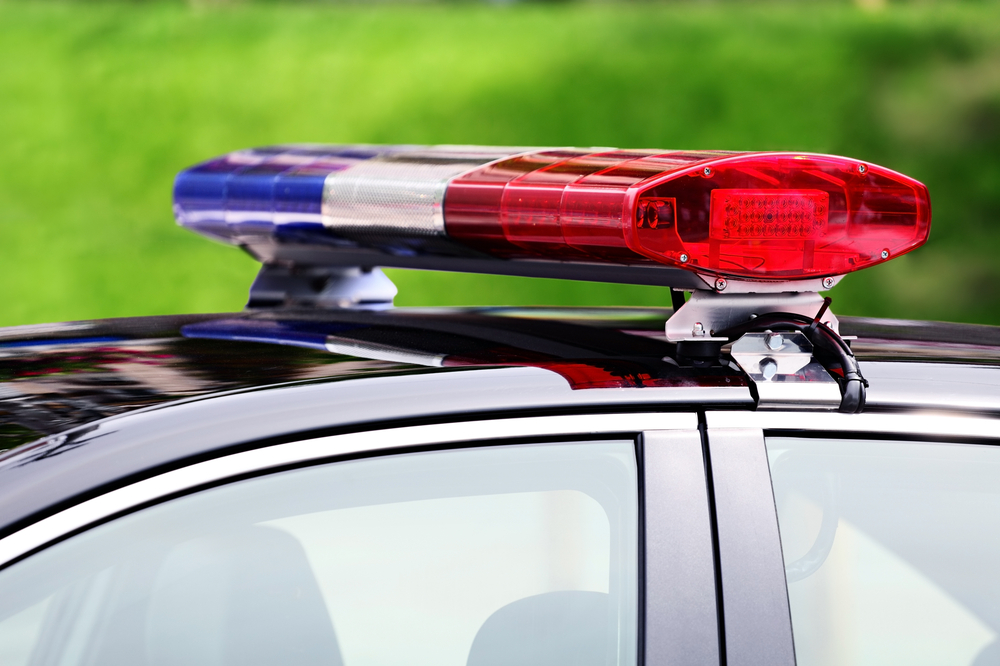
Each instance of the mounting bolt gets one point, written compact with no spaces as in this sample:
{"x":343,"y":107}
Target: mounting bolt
{"x":885,"y":254}
{"x":684,"y":258}
{"x":827,"y":282}
{"x":774,"y":341}
{"x":698,"y":330}
{"x":768,"y":368}
{"x":707,"y":171}
{"x":862,"y":168}
{"x":721,"y":284}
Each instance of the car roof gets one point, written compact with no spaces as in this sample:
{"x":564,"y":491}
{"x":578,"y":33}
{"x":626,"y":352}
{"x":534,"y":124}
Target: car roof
{"x":60,"y":376}
{"x":56,"y":377}
{"x":89,"y":405}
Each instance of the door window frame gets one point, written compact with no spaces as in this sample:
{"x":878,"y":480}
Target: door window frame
{"x":756,"y":618}
{"x":678,"y":612}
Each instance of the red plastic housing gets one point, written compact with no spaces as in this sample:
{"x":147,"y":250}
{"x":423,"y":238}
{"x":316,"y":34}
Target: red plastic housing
{"x":776,"y":216}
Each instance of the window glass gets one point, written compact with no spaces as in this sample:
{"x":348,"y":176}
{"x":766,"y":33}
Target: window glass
{"x":512,"y":555}
{"x":891,"y":550}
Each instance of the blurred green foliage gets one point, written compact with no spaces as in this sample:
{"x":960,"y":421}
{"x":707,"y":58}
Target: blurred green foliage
{"x":101,"y":104}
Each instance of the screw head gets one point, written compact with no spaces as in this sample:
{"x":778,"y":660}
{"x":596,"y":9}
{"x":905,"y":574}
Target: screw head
{"x":707,"y":171}
{"x":774,"y":341}
{"x":684,"y":258}
{"x":862,"y":168}
{"x":698,"y":330}
{"x":827,"y":282}
{"x":885,"y":254}
{"x":721,"y":284}
{"x":768,"y":368}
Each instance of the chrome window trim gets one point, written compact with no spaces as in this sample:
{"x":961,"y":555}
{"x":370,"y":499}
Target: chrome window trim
{"x":926,"y":385}
{"x":927,"y":423}
{"x":99,"y":508}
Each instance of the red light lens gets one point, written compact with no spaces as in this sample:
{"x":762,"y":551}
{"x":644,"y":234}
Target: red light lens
{"x":764,"y":215}
{"x":655,"y":213}
{"x":753,"y":215}
{"x":786,"y":217}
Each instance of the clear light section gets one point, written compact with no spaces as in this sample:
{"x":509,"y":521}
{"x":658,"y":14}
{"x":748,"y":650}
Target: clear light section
{"x":765,"y":215}
{"x":398,"y":194}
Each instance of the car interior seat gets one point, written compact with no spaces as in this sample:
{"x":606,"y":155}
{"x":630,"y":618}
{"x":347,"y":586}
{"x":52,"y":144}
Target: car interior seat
{"x":568,"y":628}
{"x":247,"y":597}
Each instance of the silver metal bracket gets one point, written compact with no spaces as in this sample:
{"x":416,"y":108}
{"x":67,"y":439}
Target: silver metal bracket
{"x":784,"y":372}
{"x":321,"y":287}
{"x":708,"y":312}
{"x":748,"y":286}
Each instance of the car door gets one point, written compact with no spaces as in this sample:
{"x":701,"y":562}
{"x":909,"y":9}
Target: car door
{"x":576,"y":539}
{"x":857,"y":539}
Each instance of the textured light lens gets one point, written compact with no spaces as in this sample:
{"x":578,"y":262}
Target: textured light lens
{"x":766,"y":215}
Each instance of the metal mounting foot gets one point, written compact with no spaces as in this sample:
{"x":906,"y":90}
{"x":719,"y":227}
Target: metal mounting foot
{"x":321,"y":287}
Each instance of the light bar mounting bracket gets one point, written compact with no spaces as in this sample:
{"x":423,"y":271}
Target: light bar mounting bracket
{"x":708,"y":312}
{"x":280,"y":285}
{"x":784,"y":372}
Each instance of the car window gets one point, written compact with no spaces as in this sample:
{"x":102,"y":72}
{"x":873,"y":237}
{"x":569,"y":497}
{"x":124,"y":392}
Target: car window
{"x":890,"y":549}
{"x":495,"y":555}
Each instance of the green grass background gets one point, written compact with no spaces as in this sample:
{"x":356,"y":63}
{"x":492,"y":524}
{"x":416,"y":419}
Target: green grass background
{"x":101,"y":104}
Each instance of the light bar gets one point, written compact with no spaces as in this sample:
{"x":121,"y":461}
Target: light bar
{"x":750,"y":216}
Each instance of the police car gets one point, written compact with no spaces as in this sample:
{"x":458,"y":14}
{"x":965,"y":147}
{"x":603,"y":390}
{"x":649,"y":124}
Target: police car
{"x":741,"y":478}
